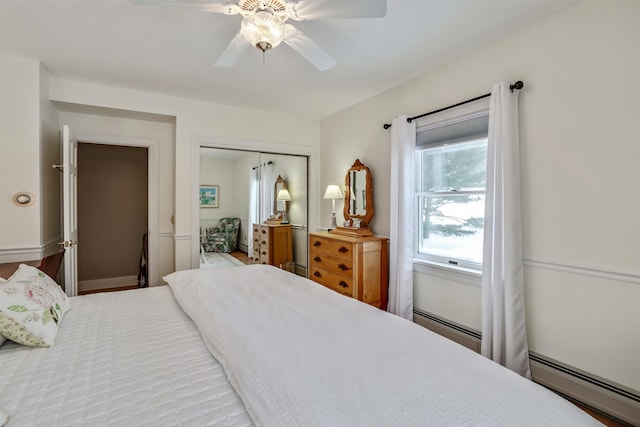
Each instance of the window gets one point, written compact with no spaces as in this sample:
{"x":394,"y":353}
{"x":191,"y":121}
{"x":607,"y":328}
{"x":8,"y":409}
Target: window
{"x":451,"y":159}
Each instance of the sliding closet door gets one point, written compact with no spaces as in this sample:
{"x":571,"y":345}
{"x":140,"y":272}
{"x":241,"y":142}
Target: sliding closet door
{"x":243,"y":185}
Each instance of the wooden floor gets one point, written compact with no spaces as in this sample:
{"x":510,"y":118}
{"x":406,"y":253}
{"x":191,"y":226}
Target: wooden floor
{"x":241,"y":256}
{"x":602,"y":418}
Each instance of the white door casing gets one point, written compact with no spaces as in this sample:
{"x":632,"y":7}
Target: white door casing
{"x":152,"y":146}
{"x":70,"y":210}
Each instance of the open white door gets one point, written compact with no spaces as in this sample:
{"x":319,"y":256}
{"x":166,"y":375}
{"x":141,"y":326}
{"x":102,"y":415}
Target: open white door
{"x":70,"y":210}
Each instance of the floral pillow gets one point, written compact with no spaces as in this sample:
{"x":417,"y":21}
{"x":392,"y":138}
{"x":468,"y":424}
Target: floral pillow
{"x":31,"y":307}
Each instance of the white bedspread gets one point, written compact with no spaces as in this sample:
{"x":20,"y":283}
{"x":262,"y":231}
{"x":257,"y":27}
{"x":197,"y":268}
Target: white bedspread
{"x":129,"y":358}
{"x":301,"y":355}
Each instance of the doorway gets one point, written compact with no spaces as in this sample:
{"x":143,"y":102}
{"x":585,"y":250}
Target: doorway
{"x":113,"y":215}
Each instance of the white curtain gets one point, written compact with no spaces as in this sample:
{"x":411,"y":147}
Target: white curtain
{"x":403,"y":144}
{"x":261,"y":182}
{"x":504,"y":338}
{"x":267,"y":180}
{"x":254,"y":202}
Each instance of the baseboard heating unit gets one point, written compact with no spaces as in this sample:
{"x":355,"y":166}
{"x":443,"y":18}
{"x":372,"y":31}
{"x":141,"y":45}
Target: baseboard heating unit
{"x":613,"y":400}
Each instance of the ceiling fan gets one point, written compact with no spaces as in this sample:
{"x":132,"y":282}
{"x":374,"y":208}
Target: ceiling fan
{"x":264,"y":23}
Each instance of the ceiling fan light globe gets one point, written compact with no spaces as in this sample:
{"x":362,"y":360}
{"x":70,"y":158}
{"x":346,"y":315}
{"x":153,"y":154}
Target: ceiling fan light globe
{"x":263,"y":30}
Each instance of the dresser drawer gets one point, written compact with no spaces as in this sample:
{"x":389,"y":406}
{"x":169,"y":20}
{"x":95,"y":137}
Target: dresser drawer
{"x":338,"y":283}
{"x":263,"y":236}
{"x":272,"y":243}
{"x":331,"y":246}
{"x":334,"y":264}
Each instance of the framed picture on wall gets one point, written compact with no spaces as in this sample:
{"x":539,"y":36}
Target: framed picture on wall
{"x":209,"y":196}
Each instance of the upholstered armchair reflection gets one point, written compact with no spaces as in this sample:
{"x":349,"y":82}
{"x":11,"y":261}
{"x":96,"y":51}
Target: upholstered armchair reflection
{"x":223,"y":237}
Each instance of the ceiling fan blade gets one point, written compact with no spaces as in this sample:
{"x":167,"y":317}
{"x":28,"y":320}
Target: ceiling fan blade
{"x":340,"y":9}
{"x":308,"y":49}
{"x":215,"y":6}
{"x":233,"y":52}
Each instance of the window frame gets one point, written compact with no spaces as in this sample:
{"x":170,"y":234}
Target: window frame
{"x":446,"y":267}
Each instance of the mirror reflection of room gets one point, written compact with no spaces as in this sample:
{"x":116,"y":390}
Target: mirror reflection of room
{"x":250,"y":200}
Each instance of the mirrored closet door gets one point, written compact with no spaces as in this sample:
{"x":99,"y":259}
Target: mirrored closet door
{"x":253,"y":209}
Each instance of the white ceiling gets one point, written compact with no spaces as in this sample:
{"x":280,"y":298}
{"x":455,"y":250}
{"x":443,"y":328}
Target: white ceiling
{"x":172,"y":50}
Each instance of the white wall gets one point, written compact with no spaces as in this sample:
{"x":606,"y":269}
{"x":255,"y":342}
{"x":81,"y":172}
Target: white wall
{"x":28,"y":148}
{"x":20,"y":111}
{"x":580,"y":150}
{"x":123,"y":128}
{"x":195,"y":121}
{"x":50,"y":178}
{"x":223,"y":173}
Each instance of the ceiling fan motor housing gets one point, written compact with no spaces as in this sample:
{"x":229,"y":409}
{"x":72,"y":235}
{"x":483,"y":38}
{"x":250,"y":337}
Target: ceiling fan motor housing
{"x":277,"y":7}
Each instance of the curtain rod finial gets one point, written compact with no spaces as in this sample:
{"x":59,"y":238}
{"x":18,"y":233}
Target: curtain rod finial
{"x":386,"y":126}
{"x":517,"y":85}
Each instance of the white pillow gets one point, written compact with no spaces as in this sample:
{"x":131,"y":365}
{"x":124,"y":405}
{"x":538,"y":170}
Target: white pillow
{"x":32,"y":306}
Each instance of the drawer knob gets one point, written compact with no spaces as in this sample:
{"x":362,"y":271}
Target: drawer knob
{"x":264,"y":231}
{"x":343,"y":249}
{"x":343,"y":284}
{"x":316,"y":243}
{"x":317,"y":259}
{"x":264,"y":252}
{"x":343,"y":267}
{"x":264,"y":242}
{"x":317,"y":274}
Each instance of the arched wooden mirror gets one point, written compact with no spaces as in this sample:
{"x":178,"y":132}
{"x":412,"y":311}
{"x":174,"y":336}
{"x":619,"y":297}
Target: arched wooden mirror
{"x":279,"y":206}
{"x":358,"y":201}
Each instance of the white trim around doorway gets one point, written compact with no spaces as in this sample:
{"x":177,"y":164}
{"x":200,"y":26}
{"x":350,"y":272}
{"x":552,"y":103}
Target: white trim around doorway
{"x":152,"y":146}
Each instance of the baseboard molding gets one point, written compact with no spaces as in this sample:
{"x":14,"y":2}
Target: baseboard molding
{"x":30,"y":253}
{"x":613,"y":400}
{"x":243,"y":247}
{"x":110,"y":282}
{"x":461,"y":335}
{"x":20,"y":254}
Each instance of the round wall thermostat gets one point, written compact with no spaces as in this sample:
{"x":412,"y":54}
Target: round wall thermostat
{"x":23,"y":199}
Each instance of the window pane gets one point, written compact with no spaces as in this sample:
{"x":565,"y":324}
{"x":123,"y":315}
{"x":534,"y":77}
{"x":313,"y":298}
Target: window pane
{"x":452,"y":226}
{"x":455,"y":167}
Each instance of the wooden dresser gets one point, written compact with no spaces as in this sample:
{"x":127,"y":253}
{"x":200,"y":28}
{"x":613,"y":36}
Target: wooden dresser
{"x":272,"y":244}
{"x":353,"y":266}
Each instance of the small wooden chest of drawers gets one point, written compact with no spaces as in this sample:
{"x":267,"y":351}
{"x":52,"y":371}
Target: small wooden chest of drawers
{"x":353,"y":266}
{"x":272,"y":244}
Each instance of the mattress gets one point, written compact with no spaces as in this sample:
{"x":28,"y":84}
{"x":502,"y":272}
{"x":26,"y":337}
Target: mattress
{"x":299,"y":354}
{"x":131,"y":358}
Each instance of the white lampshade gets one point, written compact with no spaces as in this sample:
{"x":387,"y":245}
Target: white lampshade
{"x":283,"y":195}
{"x":333,"y":192}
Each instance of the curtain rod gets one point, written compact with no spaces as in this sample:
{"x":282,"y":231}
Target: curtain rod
{"x":263,"y":164}
{"x":517,"y":85}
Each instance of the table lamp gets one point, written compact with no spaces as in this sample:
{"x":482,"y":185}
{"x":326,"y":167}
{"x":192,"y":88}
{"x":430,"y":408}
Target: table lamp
{"x":284,"y":197}
{"x":333,"y":192}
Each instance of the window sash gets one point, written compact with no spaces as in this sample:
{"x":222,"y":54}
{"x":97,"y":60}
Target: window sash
{"x":420,"y":252}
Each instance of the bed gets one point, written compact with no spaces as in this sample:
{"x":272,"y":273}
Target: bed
{"x":257,"y":345}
